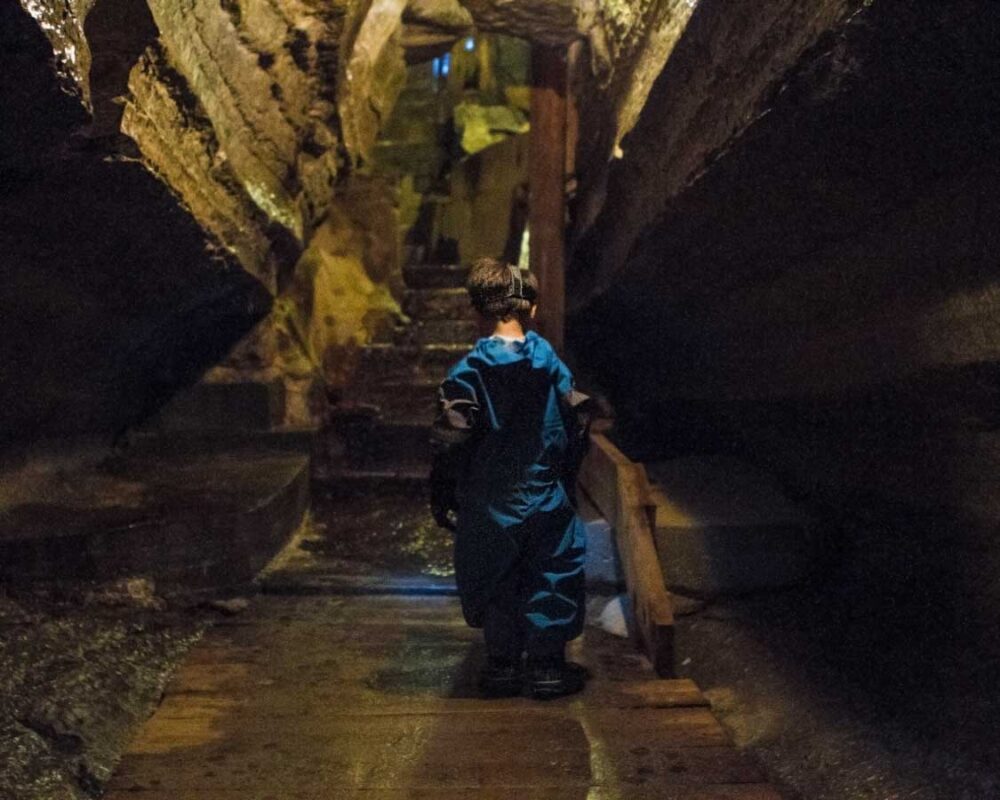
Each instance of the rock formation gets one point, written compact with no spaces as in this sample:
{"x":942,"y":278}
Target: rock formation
{"x":261,"y":119}
{"x":795,"y":258}
{"x":110,"y":299}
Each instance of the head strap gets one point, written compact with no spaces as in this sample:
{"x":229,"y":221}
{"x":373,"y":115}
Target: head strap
{"x":516,"y":283}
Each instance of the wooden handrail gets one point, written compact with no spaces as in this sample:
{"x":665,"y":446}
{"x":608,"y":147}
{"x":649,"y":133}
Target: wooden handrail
{"x":619,"y":488}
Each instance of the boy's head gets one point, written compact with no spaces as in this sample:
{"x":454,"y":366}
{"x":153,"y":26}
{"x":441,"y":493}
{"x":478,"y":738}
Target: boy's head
{"x":501,"y":291}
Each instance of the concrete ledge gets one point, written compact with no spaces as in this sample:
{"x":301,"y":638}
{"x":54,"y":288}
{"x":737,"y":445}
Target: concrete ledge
{"x":725,"y":527}
{"x":209,"y":405}
{"x":188,"y":521}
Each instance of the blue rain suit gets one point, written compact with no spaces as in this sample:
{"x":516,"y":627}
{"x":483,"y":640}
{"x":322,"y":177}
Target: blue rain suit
{"x":506,"y":425}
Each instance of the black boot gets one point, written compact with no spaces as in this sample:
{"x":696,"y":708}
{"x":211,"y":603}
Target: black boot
{"x":554,"y":678}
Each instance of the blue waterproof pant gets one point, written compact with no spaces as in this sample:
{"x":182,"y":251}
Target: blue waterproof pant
{"x":523,"y":583}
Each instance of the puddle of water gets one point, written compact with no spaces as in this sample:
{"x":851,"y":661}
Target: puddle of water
{"x":380,"y":532}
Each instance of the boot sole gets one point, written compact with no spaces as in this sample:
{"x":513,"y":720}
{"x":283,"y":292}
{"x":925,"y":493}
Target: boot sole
{"x":554,"y":690}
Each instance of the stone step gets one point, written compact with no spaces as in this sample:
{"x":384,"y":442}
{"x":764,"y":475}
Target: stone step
{"x":392,"y":363}
{"x":238,"y":406}
{"x":428,"y":304}
{"x":277,"y":440}
{"x":437,"y":331}
{"x":377,"y":446}
{"x":339,"y":479}
{"x":435,"y":276}
{"x":414,"y":402}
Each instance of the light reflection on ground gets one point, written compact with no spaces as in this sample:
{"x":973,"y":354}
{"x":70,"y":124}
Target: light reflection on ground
{"x":388,"y":532}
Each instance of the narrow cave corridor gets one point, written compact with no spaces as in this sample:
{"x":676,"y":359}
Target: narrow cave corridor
{"x":236,"y":246}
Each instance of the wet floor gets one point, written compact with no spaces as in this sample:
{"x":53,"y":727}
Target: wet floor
{"x":374,"y":697}
{"x":330,"y":687}
{"x":391,"y":532}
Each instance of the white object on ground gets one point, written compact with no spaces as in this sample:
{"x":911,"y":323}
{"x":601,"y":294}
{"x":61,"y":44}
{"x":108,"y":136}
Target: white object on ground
{"x":616,"y":616}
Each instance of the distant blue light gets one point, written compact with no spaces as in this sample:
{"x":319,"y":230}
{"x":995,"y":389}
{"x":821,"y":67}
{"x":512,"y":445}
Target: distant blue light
{"x":436,"y":67}
{"x":470,"y":45}
{"x":446,"y":63}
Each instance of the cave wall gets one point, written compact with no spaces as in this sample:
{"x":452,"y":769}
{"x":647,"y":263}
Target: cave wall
{"x":796,"y":262}
{"x":111,"y":297}
{"x":234,"y":108}
{"x":238,"y":107}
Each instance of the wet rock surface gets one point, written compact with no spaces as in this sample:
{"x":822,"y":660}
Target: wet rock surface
{"x":364,"y":538}
{"x":76,"y":681}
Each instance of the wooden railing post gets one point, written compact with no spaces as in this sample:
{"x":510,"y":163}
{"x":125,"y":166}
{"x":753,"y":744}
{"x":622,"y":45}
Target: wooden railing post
{"x":547,"y":187}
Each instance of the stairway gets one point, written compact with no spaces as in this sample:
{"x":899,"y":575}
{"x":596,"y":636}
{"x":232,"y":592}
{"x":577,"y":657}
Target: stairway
{"x":370,"y":530}
{"x":379,"y":435}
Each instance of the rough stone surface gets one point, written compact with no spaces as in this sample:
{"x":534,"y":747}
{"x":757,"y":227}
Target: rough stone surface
{"x":63,"y":24}
{"x":484,"y":126}
{"x":103,"y":312}
{"x":258,"y":115}
{"x":487,"y":200}
{"x":626,"y":55}
{"x":277,"y":73}
{"x":806,"y":280}
{"x":75,"y":684}
{"x":373,"y":74}
{"x":822,"y":295}
{"x":551,"y":22}
{"x":718,"y":80}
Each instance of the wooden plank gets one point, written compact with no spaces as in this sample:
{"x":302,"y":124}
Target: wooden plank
{"x":616,"y":748}
{"x":333,"y":792}
{"x":283,"y":704}
{"x":235,"y":724}
{"x":356,"y":694}
{"x":620,"y":489}
{"x":436,"y":768}
{"x":600,"y":474}
{"x":547,"y":187}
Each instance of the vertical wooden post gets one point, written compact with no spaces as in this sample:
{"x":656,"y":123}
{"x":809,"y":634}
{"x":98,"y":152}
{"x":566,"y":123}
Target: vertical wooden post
{"x":547,"y":186}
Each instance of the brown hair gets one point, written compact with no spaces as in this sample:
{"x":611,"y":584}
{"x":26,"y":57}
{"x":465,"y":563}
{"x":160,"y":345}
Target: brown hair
{"x":499,"y":290}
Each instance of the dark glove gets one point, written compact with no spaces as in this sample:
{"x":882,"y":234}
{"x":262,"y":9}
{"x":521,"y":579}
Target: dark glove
{"x":444,"y":503}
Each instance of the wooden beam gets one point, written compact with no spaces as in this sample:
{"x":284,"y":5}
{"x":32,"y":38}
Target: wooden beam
{"x":547,"y":187}
{"x":620,"y":490}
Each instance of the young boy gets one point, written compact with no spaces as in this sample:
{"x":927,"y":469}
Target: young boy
{"x":504,"y":435}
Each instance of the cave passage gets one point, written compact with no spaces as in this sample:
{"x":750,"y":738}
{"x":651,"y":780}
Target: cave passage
{"x":234,"y":241}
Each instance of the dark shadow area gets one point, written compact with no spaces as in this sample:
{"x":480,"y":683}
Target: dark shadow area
{"x":817,"y":300}
{"x":117,"y":31}
{"x":878,"y":678}
{"x":428,"y":663}
{"x":112,"y":297}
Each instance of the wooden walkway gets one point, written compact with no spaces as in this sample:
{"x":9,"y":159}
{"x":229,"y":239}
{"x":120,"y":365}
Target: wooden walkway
{"x":373,"y":698}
